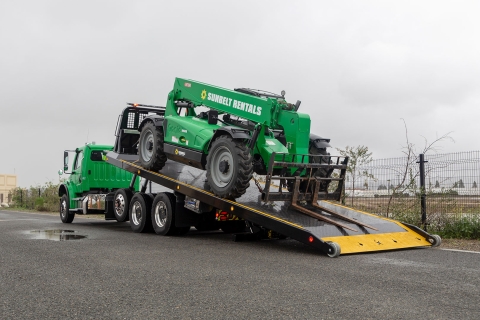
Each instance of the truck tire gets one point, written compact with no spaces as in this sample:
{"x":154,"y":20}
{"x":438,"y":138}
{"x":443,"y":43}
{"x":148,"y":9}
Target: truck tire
{"x":229,"y":167}
{"x":140,"y":208}
{"x":121,"y":203}
{"x":163,"y":213}
{"x":65,"y":215}
{"x":150,"y":147}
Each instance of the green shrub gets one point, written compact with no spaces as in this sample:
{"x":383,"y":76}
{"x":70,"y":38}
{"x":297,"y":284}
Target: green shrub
{"x":41,"y":198}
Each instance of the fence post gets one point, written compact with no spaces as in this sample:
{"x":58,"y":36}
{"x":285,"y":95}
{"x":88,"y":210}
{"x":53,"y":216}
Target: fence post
{"x":423,"y":196}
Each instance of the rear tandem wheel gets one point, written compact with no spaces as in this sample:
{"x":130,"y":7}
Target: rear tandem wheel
{"x":140,"y":208}
{"x":163,"y":215}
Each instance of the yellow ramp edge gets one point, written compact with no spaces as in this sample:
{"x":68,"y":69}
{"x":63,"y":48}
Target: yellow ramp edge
{"x":379,"y":242}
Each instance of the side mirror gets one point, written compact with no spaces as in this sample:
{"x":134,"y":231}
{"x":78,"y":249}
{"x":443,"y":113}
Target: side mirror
{"x":65,"y":160}
{"x":60,"y":172}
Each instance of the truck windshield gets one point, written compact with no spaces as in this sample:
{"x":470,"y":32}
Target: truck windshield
{"x":78,"y":160}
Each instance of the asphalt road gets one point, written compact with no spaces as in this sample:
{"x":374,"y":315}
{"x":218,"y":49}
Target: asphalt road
{"x":114,"y":273}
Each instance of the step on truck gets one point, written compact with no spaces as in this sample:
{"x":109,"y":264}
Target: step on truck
{"x":291,"y":192}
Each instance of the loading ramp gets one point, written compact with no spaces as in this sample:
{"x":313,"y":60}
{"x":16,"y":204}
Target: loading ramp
{"x":324,"y":224}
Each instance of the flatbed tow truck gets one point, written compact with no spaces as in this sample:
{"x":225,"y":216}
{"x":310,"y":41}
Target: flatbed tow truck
{"x":294,"y":213}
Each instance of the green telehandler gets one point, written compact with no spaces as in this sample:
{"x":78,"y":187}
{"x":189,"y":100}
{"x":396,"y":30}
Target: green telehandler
{"x":232,"y":134}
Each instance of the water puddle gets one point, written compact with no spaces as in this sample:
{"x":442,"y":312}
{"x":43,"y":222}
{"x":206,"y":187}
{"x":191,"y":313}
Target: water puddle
{"x":56,"y":235}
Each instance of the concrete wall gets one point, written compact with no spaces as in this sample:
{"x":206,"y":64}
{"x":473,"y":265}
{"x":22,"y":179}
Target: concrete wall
{"x":7,"y":183}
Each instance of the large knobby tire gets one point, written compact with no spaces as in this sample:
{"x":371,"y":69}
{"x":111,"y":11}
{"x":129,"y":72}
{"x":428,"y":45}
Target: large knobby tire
{"x":323,"y":157}
{"x":229,"y":167}
{"x":121,"y":203}
{"x":150,"y":147}
{"x":320,"y":156}
{"x":140,"y":208}
{"x":65,"y":215}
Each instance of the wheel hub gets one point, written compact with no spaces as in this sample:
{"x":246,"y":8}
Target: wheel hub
{"x":223,"y":166}
{"x":64,"y":209}
{"x":137,"y":213}
{"x":161,"y":214}
{"x":119,"y":205}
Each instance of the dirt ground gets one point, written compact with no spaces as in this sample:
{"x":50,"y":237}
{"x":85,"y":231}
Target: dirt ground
{"x":461,"y":244}
{"x":458,"y":244}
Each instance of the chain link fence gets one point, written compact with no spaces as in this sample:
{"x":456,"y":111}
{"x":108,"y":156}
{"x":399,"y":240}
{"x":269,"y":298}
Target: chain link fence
{"x":451,"y":191}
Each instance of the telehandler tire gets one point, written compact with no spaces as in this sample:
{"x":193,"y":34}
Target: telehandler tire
{"x":121,"y":202}
{"x":229,"y":167}
{"x":65,"y":215}
{"x":150,"y":147}
{"x":323,"y":157}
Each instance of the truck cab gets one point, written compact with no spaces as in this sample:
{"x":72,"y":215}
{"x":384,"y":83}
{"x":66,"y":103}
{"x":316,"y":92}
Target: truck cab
{"x":91,"y":180}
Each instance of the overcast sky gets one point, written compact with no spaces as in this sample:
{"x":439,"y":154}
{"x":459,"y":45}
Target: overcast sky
{"x":67,"y":68}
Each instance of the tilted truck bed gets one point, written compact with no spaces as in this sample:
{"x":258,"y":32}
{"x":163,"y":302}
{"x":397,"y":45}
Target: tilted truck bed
{"x":382,"y":233}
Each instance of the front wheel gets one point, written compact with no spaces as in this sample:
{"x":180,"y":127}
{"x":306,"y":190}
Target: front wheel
{"x":65,"y":215}
{"x":150,"y":147}
{"x":229,"y":167}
